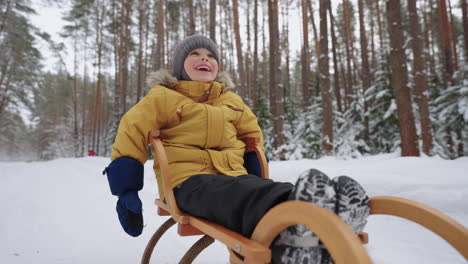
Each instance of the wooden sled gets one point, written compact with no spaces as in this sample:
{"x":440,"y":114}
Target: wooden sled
{"x":344,"y":246}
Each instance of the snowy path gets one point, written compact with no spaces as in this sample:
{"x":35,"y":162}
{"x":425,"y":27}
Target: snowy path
{"x":61,"y":211}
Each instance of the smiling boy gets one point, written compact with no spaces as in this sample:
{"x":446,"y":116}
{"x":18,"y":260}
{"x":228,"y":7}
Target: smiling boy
{"x":202,"y":125}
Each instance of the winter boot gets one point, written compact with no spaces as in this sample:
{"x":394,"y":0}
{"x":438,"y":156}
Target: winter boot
{"x":352,"y":203}
{"x":297,"y":244}
{"x":352,"y":206}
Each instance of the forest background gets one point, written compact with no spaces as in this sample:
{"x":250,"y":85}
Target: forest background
{"x":370,"y":76}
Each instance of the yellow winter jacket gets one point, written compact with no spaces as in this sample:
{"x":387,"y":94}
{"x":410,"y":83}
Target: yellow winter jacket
{"x":199,"y":138}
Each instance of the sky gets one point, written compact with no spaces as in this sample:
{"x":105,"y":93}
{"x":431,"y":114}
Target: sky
{"x":49,"y":19}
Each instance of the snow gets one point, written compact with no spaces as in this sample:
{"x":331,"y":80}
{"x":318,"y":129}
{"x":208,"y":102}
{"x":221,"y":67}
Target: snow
{"x":61,"y":211}
{"x":391,"y":109}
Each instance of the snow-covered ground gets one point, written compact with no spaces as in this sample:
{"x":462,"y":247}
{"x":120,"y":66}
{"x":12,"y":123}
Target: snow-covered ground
{"x":61,"y":211}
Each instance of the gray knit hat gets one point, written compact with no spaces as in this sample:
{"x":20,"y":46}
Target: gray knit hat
{"x":184,"y":47}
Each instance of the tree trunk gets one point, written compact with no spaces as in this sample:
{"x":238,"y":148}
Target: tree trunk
{"x":84,"y":107}
{"x":240,"y":59}
{"x":446,"y":50}
{"x":166,"y":52}
{"x":75,"y":100}
{"x":464,"y":7}
{"x":305,"y":58}
{"x":266,"y":78}
{"x":379,"y":23}
{"x":342,"y":71}
{"x":117,"y":65}
{"x":435,"y":31}
{"x":97,"y":109}
{"x":453,"y":38}
{"x":428,"y":43}
{"x":314,"y":28}
{"x":349,"y":77}
{"x":324,"y":75}
{"x":221,"y":44}
{"x":276,"y":91}
{"x":365,"y":74}
{"x":104,"y":115}
{"x":127,"y":7}
{"x":4,"y":91}
{"x":419,"y":68}
{"x":343,"y":80}
{"x":191,"y":18}
{"x":5,"y":99}
{"x":372,"y":30}
{"x":204,"y":17}
{"x":229,"y":30}
{"x":121,"y":55}
{"x":399,"y":79}
{"x":158,"y":59}
{"x":285,"y":48}
{"x":335,"y":62}
{"x":248,"y":76}
{"x":140,"y":71}
{"x":255,"y":60}
{"x":213,"y":20}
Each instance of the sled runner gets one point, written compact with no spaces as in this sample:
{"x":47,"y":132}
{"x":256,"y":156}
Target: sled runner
{"x":343,"y":245}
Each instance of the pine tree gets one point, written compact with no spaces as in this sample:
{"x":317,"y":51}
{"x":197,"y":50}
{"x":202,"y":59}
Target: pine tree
{"x":451,"y":111}
{"x":20,"y":72}
{"x":383,"y":120}
{"x":20,"y":58}
{"x":350,"y":130}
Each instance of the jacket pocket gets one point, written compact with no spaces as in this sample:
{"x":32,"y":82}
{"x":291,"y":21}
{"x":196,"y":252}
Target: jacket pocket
{"x":235,"y":161}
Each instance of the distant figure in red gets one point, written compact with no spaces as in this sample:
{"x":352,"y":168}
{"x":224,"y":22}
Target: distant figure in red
{"x":91,"y":153}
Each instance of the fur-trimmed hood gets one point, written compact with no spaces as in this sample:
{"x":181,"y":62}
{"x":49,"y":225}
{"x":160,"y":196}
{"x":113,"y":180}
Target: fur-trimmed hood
{"x":164,"y":78}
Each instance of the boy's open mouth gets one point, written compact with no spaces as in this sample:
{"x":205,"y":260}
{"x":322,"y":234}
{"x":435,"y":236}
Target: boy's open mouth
{"x":203,"y":67}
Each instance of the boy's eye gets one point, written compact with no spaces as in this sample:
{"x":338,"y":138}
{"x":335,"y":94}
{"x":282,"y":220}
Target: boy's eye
{"x":194,"y":53}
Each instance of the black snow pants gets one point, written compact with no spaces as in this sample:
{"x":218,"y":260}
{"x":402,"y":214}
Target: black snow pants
{"x":237,"y":203}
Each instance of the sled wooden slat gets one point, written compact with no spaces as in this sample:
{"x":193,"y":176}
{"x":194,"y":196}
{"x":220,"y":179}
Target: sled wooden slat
{"x":188,"y":230}
{"x":161,"y":210}
{"x":248,"y":248}
{"x":444,"y":226}
{"x":239,"y":243}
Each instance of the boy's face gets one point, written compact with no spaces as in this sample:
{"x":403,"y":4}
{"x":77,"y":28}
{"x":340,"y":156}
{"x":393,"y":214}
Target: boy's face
{"x":200,"y":65}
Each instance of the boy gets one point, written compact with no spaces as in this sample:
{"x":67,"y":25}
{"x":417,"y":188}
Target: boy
{"x":202,"y":125}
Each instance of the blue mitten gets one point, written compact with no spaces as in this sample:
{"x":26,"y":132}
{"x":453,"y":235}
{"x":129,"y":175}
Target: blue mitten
{"x":125,"y":176}
{"x":252,"y":164}
{"x":129,"y":209}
